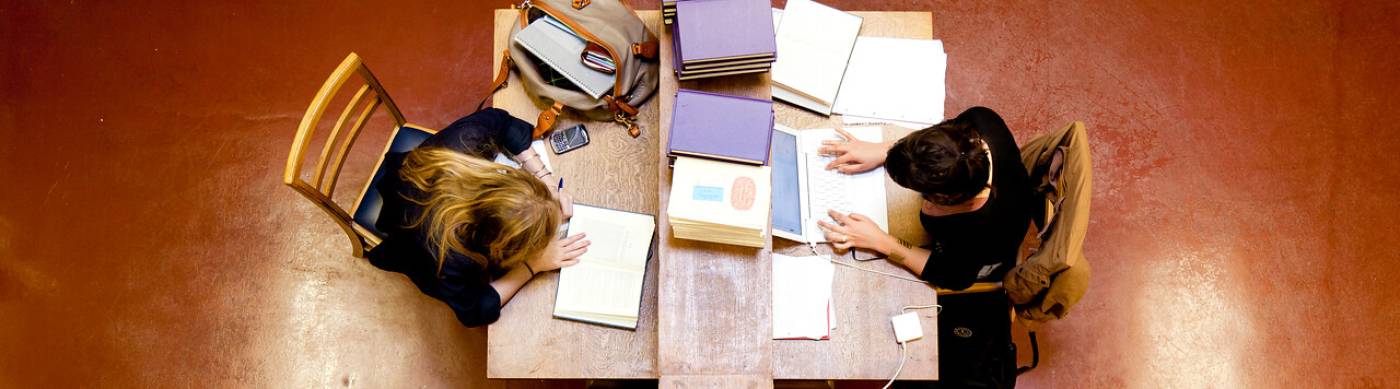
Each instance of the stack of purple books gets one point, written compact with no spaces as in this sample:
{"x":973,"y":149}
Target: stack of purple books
{"x":715,"y":38}
{"x":721,"y":127}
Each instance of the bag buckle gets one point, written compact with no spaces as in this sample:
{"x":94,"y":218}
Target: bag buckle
{"x":579,"y":4}
{"x":631,"y":124}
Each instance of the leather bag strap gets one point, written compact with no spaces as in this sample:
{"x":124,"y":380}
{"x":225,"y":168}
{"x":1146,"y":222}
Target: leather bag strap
{"x":502,"y":77}
{"x":646,"y":50}
{"x":546,"y":120}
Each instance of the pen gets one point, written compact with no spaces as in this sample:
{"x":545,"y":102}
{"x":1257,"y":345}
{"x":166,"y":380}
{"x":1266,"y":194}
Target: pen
{"x":561,"y":183}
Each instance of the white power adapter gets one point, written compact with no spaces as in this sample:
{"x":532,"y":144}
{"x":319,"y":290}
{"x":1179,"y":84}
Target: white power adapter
{"x":907,"y":328}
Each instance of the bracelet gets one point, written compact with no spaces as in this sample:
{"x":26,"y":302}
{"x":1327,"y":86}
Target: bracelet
{"x":531,"y":269}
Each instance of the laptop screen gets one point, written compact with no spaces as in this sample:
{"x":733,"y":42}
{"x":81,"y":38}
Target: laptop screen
{"x":787,"y":194}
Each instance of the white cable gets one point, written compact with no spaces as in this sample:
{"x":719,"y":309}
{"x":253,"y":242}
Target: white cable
{"x":936,"y":311}
{"x":891,"y":275}
{"x":903,"y":356}
{"x":813,"y":247}
{"x":904,"y":350}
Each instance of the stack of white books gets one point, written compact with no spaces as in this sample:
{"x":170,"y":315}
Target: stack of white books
{"x":720,"y":202}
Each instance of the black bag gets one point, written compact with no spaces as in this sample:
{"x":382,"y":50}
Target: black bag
{"x":974,"y":342}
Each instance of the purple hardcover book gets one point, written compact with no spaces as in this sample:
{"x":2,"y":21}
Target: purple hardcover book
{"x":718,"y":126}
{"x":676,"y":49}
{"x":725,"y":29}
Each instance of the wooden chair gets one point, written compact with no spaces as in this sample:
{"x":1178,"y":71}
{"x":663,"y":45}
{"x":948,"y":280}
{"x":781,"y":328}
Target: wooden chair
{"x":358,"y":222}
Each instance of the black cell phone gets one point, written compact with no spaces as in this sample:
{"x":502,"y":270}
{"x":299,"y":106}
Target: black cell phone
{"x":568,"y":139}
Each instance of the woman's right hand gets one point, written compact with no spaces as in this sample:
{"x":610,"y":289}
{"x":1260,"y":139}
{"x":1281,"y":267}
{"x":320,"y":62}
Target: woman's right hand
{"x":566,"y":203}
{"x":561,"y":253}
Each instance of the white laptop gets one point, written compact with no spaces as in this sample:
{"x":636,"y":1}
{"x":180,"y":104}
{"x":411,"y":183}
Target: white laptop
{"x":803,"y":190}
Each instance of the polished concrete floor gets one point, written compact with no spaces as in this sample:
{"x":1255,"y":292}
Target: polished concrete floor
{"x":1244,"y":206}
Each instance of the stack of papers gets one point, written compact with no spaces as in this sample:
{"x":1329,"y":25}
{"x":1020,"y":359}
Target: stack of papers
{"x":816,"y":42}
{"x":605,"y":287}
{"x":715,"y":38}
{"x":893,"y":80}
{"x":720,"y":202}
{"x":802,"y":306}
{"x":880,"y":80}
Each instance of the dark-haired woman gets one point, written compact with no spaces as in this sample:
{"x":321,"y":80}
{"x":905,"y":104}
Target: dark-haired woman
{"x":976,"y":195}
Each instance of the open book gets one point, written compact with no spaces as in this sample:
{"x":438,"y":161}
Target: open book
{"x":605,"y":287}
{"x":815,"y":42}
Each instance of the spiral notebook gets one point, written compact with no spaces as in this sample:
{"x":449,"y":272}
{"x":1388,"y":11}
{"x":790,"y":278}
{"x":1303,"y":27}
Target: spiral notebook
{"x":556,"y":45}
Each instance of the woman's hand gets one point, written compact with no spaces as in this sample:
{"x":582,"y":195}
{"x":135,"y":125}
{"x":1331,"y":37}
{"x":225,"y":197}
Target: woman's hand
{"x":561,"y":253}
{"x":854,"y":230}
{"x":854,"y":155}
{"x":566,"y":203}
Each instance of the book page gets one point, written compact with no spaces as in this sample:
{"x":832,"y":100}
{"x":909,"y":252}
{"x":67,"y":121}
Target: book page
{"x":592,"y":288}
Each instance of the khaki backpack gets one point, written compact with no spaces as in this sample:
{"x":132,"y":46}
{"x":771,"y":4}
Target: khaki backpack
{"x":607,"y":23}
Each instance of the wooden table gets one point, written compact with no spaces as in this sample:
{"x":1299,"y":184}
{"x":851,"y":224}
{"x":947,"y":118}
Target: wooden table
{"x":715,"y":313}
{"x":614,"y":171}
{"x":706,"y":315}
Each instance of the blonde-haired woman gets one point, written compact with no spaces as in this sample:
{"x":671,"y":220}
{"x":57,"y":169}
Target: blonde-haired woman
{"x":468,"y":231}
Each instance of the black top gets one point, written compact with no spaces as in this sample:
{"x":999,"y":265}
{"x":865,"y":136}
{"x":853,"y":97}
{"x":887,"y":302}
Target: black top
{"x":983,"y":244}
{"x":463,"y":284}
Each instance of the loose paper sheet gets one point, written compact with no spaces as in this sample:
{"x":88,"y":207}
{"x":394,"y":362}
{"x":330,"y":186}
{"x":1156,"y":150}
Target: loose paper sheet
{"x":802,"y":297}
{"x":895,"y":79}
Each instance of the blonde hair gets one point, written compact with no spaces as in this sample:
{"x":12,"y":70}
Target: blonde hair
{"x":491,"y":213}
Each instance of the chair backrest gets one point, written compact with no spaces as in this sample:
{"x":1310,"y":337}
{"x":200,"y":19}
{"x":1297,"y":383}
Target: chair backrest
{"x":321,"y":187}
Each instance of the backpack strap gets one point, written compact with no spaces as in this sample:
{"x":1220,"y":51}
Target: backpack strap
{"x":646,"y":50}
{"x":624,"y":113}
{"x":502,"y":77}
{"x":1035,"y":357}
{"x":547,"y":119}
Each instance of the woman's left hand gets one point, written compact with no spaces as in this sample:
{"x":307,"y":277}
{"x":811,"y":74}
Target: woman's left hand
{"x":854,"y":155}
{"x":855,"y":230}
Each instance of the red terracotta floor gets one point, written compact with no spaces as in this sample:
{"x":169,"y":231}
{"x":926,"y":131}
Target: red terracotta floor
{"x":1244,"y":200}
